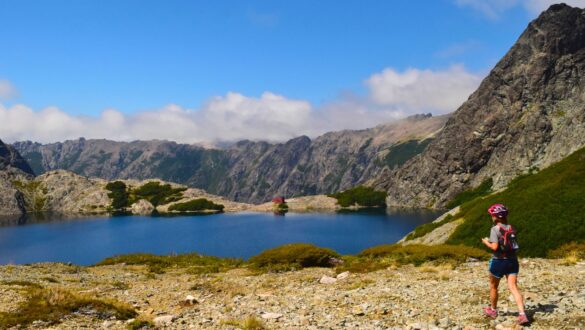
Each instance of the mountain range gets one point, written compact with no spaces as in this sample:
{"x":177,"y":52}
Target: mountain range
{"x":248,"y":171}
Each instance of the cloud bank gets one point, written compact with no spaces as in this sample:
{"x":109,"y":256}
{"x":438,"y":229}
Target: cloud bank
{"x":391,"y":95}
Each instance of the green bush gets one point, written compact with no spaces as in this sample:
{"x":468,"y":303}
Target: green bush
{"x":118,"y":194}
{"x":156,"y":193}
{"x":293,"y":256}
{"x":483,"y":189}
{"x":422,"y":230}
{"x":192,"y":262}
{"x":546,"y":208}
{"x":362,"y":196}
{"x":200,"y":204}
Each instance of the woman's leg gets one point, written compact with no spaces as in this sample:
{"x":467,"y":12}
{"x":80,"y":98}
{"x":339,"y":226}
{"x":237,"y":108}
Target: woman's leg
{"x":512,"y":280}
{"x":494,"y":283}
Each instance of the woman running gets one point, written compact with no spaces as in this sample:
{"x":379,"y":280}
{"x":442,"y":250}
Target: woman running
{"x":504,"y":262}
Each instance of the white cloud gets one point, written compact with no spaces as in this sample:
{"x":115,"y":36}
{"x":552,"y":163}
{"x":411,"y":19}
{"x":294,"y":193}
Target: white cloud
{"x":423,"y":90}
{"x":493,"y":9}
{"x":490,"y":8}
{"x":537,"y":6}
{"x":228,"y":118}
{"x":270,"y":117}
{"x":7,"y":90}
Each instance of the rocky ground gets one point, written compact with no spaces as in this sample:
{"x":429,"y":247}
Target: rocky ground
{"x":426,"y":297}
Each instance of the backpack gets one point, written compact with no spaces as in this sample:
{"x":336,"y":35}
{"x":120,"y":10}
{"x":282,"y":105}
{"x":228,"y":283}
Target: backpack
{"x":507,"y":241}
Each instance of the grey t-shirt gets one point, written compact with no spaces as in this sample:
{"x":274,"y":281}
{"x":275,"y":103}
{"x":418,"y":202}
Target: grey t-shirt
{"x":494,"y":238}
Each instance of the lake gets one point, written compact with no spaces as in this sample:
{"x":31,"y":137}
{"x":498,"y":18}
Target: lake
{"x":85,"y":241}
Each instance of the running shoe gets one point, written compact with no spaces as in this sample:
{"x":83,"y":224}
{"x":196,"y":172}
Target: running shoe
{"x":490,"y":312}
{"x":522,"y":319}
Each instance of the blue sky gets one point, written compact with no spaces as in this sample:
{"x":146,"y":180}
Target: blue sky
{"x":79,"y":58}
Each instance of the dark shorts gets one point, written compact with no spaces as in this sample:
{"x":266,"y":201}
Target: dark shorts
{"x":502,"y":267}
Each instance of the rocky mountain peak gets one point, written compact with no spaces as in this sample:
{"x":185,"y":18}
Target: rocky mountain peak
{"x":527,"y":113}
{"x":558,"y":30}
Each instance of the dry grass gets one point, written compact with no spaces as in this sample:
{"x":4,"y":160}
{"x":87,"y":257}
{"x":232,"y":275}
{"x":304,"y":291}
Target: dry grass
{"x":249,"y":323}
{"x":52,"y":304}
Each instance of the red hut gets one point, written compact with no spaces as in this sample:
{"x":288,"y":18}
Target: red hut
{"x":278,"y":200}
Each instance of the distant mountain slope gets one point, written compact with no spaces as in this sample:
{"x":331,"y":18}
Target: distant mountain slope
{"x":248,"y":171}
{"x":527,"y":113}
{"x":12,"y":167}
{"x":9,"y":157}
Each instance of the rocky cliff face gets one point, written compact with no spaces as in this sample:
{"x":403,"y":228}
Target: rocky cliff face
{"x":9,"y":157}
{"x":528,"y":113}
{"x":12,"y":167}
{"x":248,"y":171}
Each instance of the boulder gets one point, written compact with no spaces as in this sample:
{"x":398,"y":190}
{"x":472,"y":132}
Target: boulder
{"x":142,"y":207}
{"x":327,"y":280}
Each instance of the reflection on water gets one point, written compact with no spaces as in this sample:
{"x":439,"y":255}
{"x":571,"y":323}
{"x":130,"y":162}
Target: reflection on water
{"x":42,"y":217}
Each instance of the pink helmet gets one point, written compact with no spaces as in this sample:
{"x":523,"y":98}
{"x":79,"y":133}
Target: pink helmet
{"x":498,"y":210}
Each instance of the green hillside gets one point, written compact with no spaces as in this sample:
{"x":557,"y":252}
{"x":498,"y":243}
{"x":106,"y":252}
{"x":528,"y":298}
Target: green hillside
{"x":546,"y":208}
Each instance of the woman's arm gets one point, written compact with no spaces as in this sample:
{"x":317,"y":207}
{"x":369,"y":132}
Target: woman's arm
{"x":492,"y":245}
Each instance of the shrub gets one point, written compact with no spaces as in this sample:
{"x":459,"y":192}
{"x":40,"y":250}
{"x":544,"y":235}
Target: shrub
{"x":140,"y":324}
{"x":51,"y":305}
{"x":483,"y":189}
{"x":250,"y":323}
{"x":362,"y":196}
{"x":200,"y":204}
{"x":293,"y":256}
{"x":156,"y":193}
{"x":546,"y":208}
{"x":118,"y":194}
{"x":573,"y":250}
{"x":195,"y":263}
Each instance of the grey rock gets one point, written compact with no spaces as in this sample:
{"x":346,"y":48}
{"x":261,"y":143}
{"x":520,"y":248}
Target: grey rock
{"x":247,"y":171}
{"x":142,"y":207}
{"x":271,"y":316}
{"x":327,"y":280}
{"x":164,"y":320}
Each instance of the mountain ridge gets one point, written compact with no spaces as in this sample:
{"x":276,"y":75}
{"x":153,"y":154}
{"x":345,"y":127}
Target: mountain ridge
{"x":247,"y":171}
{"x":528,"y":113}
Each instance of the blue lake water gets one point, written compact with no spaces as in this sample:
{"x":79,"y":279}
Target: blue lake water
{"x":242,"y":235}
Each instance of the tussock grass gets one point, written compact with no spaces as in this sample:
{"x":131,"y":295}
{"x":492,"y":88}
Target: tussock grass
{"x":139,"y":324}
{"x":384,"y":256}
{"x":51,"y":305}
{"x":21,"y":283}
{"x":193,"y":262}
{"x":293,"y":256}
{"x":249,"y":323}
{"x":570,"y":253}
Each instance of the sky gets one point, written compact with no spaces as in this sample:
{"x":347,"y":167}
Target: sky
{"x":213,"y":71}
